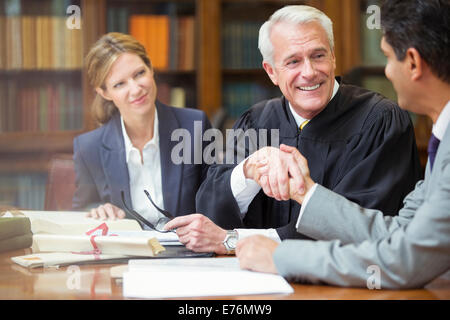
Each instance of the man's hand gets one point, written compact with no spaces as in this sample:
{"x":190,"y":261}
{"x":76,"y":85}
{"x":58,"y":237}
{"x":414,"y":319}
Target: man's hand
{"x":106,"y":211}
{"x":280,"y":166}
{"x":198,"y":233}
{"x":256,"y":253}
{"x":306,"y":181}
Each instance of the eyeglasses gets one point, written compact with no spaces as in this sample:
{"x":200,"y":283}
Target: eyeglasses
{"x":161,"y":222}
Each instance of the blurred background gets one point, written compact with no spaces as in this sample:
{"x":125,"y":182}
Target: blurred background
{"x":205,"y":56}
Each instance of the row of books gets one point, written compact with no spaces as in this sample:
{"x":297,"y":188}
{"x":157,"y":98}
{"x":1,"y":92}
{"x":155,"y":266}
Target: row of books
{"x":23,"y":190}
{"x":43,"y":7}
{"x":239,"y":96}
{"x":169,"y":40}
{"x":46,"y":107}
{"x":240,"y":45}
{"x":39,"y":42}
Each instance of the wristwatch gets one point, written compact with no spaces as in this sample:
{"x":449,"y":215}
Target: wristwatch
{"x":230,"y":241}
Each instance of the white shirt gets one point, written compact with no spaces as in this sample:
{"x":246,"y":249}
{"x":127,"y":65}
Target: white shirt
{"x":244,"y":190}
{"x":145,"y":174}
{"x":438,"y":130}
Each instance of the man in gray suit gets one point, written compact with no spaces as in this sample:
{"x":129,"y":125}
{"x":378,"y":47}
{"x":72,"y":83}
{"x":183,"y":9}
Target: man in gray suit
{"x":405,"y":251}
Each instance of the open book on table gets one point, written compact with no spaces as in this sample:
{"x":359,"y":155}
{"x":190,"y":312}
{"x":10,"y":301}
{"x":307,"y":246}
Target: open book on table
{"x":61,"y":238}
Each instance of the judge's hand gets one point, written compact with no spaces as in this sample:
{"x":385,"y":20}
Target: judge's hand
{"x":198,"y":233}
{"x":280,"y":166}
{"x":256,"y":253}
{"x":106,"y":211}
{"x":297,"y":187}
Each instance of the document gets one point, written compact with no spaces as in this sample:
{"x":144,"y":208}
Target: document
{"x":69,"y":222}
{"x":178,"y":278}
{"x":147,"y":247}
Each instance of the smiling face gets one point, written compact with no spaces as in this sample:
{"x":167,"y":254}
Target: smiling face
{"x":304,"y":65}
{"x":131,"y":86}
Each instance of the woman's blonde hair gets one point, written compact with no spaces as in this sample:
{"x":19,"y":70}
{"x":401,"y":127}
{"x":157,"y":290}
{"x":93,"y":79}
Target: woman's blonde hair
{"x":99,"y":60}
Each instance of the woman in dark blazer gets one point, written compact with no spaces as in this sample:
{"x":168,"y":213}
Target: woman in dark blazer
{"x":133,"y":150}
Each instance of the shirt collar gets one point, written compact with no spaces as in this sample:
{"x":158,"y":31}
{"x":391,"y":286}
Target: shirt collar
{"x":298,"y":119}
{"x":129,"y":146}
{"x":442,"y":122}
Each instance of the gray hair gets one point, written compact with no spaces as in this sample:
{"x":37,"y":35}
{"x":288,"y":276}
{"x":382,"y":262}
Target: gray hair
{"x":294,"y":14}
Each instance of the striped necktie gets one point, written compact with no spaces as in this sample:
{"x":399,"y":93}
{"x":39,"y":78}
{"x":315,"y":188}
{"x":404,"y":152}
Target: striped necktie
{"x":433,"y":145}
{"x":304,"y":123}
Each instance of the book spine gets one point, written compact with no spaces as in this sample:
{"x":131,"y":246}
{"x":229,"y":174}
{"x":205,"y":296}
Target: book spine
{"x":15,"y":243}
{"x":15,"y":226}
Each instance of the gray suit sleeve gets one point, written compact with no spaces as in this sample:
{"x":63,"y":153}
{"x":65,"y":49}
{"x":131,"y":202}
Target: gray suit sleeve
{"x":329,"y":216}
{"x":406,"y":255}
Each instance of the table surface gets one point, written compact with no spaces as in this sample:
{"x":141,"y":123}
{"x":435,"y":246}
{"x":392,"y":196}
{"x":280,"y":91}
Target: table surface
{"x":17,"y":282}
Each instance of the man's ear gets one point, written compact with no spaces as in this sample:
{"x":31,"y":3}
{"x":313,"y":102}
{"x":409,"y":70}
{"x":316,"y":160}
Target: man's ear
{"x":270,"y":72}
{"x":414,"y":64}
{"x":103,"y":93}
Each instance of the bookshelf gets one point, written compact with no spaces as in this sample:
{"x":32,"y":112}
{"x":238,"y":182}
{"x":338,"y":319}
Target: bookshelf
{"x":199,"y":38}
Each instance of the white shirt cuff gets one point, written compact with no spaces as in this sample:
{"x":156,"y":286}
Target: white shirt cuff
{"x":270,"y":233}
{"x":305,"y":203}
{"x":243,"y":189}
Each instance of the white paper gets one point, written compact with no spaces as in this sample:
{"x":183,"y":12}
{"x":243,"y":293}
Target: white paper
{"x":163,"y":238}
{"x":70,"y":222}
{"x":187,"y":264}
{"x":200,"y":277}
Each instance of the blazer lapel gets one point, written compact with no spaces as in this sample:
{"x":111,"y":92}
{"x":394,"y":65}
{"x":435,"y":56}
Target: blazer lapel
{"x":114,"y":161}
{"x":171,"y":174}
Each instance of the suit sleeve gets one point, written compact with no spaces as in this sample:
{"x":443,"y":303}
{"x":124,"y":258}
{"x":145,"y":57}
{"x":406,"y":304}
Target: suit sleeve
{"x":329,"y":216}
{"x":86,"y":195}
{"x":407,"y":255}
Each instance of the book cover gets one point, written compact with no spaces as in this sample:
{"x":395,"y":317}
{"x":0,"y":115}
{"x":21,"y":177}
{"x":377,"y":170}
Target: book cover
{"x":14,"y":226}
{"x":17,"y":242}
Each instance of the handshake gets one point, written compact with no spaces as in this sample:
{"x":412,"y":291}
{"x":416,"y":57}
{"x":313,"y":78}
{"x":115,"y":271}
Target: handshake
{"x":282,"y":173}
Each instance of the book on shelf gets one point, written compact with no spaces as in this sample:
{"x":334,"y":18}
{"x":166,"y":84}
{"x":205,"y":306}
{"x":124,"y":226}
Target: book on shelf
{"x":239,"y":96}
{"x":43,"y":107}
{"x":168,"y":39}
{"x":172,"y":96}
{"x":23,"y":190}
{"x":39,"y":43}
{"x":240,"y":45}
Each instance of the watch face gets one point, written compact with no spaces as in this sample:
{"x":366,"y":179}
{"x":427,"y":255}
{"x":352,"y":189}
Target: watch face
{"x":232,"y":241}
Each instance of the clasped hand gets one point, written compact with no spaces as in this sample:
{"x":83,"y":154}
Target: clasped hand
{"x":282,"y":173}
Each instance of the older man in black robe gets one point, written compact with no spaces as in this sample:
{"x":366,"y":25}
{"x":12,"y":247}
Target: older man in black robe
{"x":357,"y":143}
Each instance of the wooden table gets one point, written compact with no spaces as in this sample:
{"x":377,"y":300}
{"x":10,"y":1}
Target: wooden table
{"x":95,"y":283}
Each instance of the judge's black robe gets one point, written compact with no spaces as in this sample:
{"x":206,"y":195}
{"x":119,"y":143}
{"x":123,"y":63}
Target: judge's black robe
{"x":361,"y":146}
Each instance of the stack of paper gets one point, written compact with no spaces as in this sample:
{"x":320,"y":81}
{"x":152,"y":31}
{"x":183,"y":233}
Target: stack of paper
{"x":176,"y":278}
